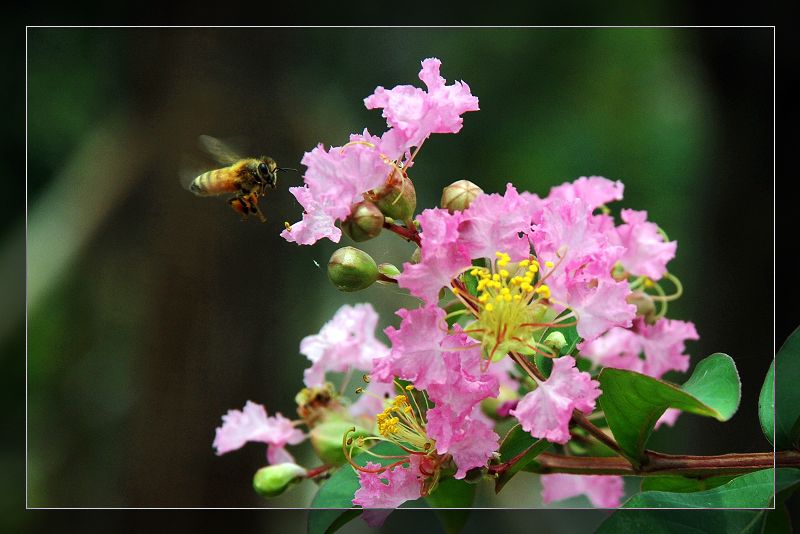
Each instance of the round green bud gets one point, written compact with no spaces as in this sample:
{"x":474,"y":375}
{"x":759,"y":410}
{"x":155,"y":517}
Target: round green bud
{"x":645,"y":305}
{"x":273,"y":480}
{"x":397,"y":198}
{"x":555,"y":340}
{"x":365,"y":221}
{"x":459,"y":195}
{"x":351,"y":269}
{"x":326,"y":438}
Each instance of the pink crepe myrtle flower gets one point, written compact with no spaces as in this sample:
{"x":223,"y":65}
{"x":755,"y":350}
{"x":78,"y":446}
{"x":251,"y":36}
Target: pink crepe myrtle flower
{"x":594,"y":191}
{"x":372,"y":400}
{"x":416,"y":353}
{"x":416,"y":114}
{"x":546,"y":411}
{"x":603,"y":491}
{"x":646,"y":252}
{"x":389,"y":488}
{"x":443,"y":256}
{"x":494,"y":222}
{"x":334,"y":180}
{"x":469,"y":440}
{"x":345,"y":342}
{"x":465,"y":384}
{"x":253,"y":424}
{"x":662,"y":344}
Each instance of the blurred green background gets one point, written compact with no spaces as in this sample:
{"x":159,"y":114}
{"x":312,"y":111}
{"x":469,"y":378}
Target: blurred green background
{"x":151,"y":312}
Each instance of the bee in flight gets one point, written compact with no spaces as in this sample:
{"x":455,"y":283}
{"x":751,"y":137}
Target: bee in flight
{"x":247,"y":178}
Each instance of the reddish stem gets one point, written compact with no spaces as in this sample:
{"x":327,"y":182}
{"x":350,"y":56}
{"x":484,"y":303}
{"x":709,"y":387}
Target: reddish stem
{"x":409,"y":234}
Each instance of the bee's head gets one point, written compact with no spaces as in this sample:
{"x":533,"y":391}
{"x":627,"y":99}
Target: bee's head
{"x":267,"y":171}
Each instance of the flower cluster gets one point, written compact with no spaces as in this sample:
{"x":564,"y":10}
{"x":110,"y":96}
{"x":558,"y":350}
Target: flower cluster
{"x":522,"y":300}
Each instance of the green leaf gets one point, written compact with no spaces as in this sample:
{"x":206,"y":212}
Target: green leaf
{"x":766,"y":405}
{"x":336,"y":494}
{"x":753,"y":490}
{"x":633,"y":402}
{"x":787,"y":394}
{"x":518,"y":442}
{"x":682,"y":484}
{"x":471,"y":282}
{"x":452,"y":493}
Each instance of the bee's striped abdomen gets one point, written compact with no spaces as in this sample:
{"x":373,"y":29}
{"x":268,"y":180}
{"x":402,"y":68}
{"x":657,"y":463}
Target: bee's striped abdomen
{"x":216,"y":182}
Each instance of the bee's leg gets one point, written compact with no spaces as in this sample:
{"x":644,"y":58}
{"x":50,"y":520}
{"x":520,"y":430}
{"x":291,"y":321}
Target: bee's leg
{"x":240,"y":206}
{"x":255,"y":209}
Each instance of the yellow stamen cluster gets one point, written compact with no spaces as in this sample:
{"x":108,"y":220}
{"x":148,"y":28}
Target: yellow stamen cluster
{"x":512,"y":300}
{"x":400,"y":423}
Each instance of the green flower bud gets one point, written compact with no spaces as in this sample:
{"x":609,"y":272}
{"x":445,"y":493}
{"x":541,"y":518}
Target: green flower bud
{"x":475,"y":475}
{"x":645,"y":306}
{"x":273,"y":480}
{"x":459,"y":195}
{"x":351,"y":269}
{"x":326,"y":438}
{"x":555,"y":340}
{"x":364,"y":223}
{"x":388,"y":270}
{"x":416,"y":256}
{"x":397,"y":198}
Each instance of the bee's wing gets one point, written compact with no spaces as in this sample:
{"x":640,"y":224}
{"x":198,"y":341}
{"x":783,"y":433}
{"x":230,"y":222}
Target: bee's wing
{"x":219,"y":150}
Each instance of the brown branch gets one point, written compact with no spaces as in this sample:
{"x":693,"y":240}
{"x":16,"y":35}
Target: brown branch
{"x":666,"y":464}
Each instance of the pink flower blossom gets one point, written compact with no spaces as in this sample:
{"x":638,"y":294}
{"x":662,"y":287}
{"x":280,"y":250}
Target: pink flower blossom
{"x":253,"y":424}
{"x":334,"y":181}
{"x":345,"y":342}
{"x":416,"y":353}
{"x":594,"y":191}
{"x":416,"y":114}
{"x":662,"y":345}
{"x":372,"y":401}
{"x":545,"y":412}
{"x":465,"y":384}
{"x":494,"y":223}
{"x":603,"y":491}
{"x":646,"y":253}
{"x":443,"y":256}
{"x":392,"y":487}
{"x":470,"y":440}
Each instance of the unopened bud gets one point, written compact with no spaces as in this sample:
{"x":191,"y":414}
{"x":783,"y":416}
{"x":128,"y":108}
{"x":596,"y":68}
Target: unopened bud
{"x":326,"y":438}
{"x":388,"y":270}
{"x":459,"y":195}
{"x":351,"y":269}
{"x":397,"y":198}
{"x":645,"y":306}
{"x":365,"y":221}
{"x":273,"y":480}
{"x":475,"y":475}
{"x":555,"y":340}
{"x":416,"y":256}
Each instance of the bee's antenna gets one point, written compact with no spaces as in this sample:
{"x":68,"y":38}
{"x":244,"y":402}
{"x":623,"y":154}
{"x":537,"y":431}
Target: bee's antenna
{"x":286,"y":169}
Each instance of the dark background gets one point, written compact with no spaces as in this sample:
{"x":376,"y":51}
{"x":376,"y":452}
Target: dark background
{"x":152,"y":312}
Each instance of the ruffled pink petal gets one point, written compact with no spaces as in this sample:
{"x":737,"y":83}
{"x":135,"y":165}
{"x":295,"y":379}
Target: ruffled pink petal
{"x":345,"y":342}
{"x":372,"y":401}
{"x":545,"y":412}
{"x":494,"y":223}
{"x":603,"y":491}
{"x":391,"y":488}
{"x":471,"y":441}
{"x":416,"y":353}
{"x":253,"y":424}
{"x":646,"y":252}
{"x":668,"y":417}
{"x":594,"y":190}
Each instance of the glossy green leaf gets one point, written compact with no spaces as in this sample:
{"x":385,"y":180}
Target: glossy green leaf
{"x":766,"y":405}
{"x":517,"y":444}
{"x":787,"y":394}
{"x":471,"y":282}
{"x":633,"y":402}
{"x":682,"y":484}
{"x":452,"y":493}
{"x":332,"y":506}
{"x":753,"y":490}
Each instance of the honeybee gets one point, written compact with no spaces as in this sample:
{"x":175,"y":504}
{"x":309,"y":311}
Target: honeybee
{"x":247,"y":178}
